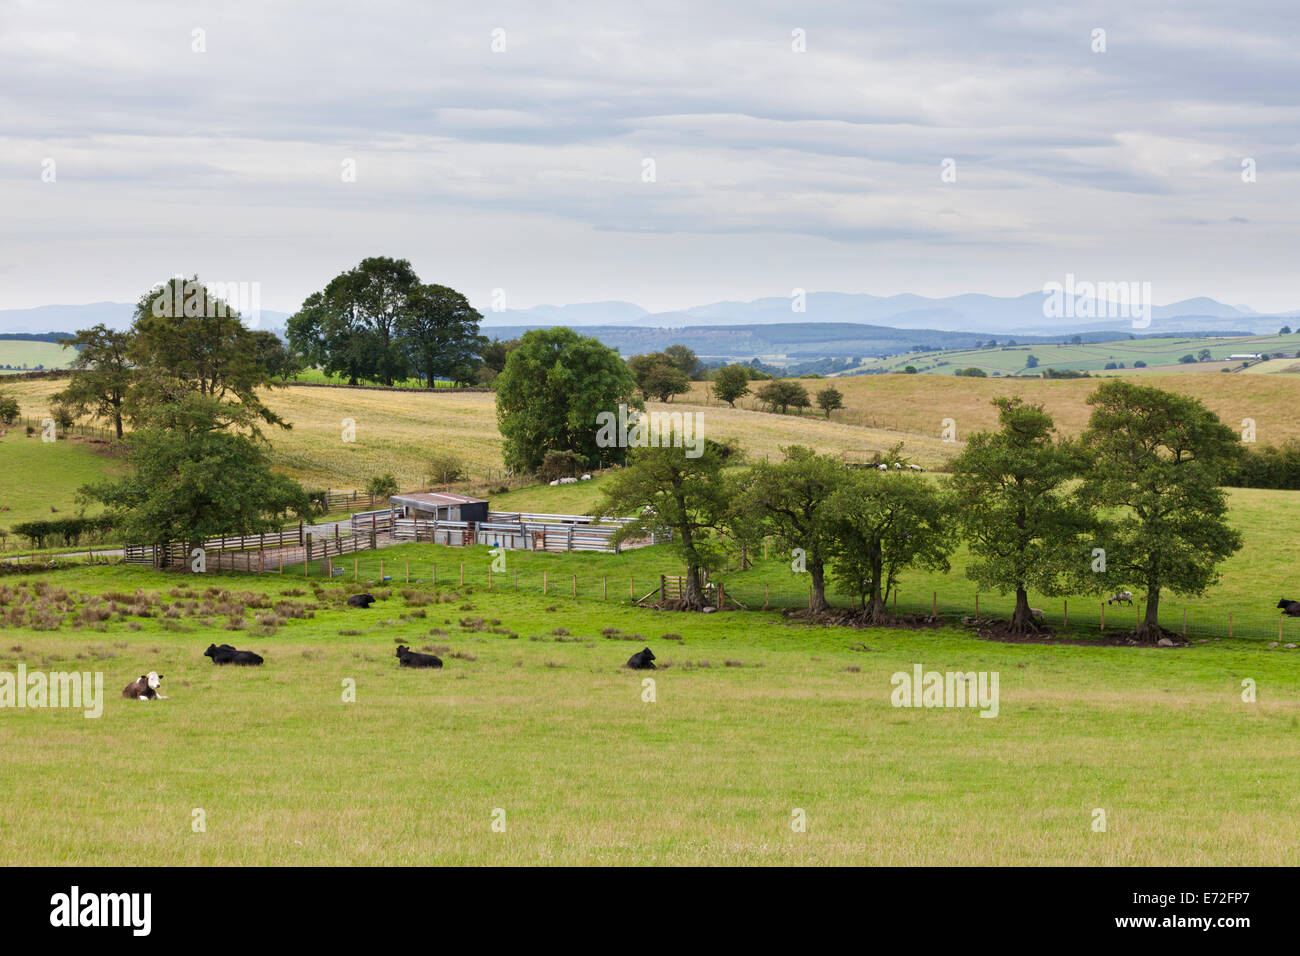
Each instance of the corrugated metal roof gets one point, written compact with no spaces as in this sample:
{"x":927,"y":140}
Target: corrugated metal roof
{"x":438,"y":498}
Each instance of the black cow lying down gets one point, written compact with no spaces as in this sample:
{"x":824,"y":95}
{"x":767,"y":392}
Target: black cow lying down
{"x":225,"y":654}
{"x":410,"y":658}
{"x":361,"y":600}
{"x":1289,"y":608}
{"x":642,"y":660}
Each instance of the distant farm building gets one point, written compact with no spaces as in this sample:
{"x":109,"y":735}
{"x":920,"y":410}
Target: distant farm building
{"x":440,"y":506}
{"x":1244,"y":357}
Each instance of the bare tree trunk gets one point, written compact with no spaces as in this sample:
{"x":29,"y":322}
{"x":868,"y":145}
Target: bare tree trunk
{"x":1149,"y":628}
{"x":876,"y":611}
{"x":693,"y":599}
{"x":819,"y":602}
{"x":1022,"y":621}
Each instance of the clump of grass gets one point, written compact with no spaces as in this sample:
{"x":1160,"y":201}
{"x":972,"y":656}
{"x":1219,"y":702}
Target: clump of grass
{"x":560,"y":632}
{"x":462,"y":655}
{"x":733,"y":664}
{"x":671,"y":637}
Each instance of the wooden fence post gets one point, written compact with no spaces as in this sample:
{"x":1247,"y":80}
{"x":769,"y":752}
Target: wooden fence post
{"x":977,"y":605}
{"x":1065,"y":614}
{"x":1229,"y":624}
{"x":631,"y":592}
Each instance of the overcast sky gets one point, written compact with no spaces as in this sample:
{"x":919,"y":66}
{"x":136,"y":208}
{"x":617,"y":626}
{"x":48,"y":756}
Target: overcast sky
{"x":773,"y":169}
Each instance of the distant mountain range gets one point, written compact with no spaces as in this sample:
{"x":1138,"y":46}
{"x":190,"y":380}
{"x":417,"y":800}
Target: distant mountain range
{"x":831,"y":323}
{"x":971,"y":312}
{"x":115,"y":315}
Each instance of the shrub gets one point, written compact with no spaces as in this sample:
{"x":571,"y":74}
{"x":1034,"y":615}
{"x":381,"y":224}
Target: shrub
{"x":558,"y":464}
{"x":444,"y":468}
{"x":381,"y":486}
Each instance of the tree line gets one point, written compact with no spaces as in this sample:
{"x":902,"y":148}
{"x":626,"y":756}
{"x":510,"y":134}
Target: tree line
{"x":1134,"y":502}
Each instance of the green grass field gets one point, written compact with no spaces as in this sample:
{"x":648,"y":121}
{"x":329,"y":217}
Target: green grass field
{"x":756,"y":714}
{"x":318,"y":376}
{"x":754,"y":717}
{"x":1155,"y":351}
{"x":18,"y":355}
{"x":39,"y":475}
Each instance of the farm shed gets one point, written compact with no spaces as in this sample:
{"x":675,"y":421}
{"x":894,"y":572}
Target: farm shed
{"x":441,"y":506}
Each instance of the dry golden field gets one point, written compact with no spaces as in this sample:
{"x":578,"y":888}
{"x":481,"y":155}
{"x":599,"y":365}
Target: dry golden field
{"x":398,"y":431}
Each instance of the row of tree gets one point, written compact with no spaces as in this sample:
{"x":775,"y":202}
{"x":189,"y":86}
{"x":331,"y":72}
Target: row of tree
{"x":1134,"y":502}
{"x":379,"y":322}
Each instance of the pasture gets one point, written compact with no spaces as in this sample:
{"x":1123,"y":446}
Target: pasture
{"x":38,"y":475}
{"x":1093,"y":356}
{"x":17,"y":355}
{"x":754,"y":716}
{"x":401,"y":431}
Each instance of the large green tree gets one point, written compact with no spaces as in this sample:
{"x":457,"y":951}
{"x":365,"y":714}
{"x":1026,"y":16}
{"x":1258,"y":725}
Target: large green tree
{"x":353,"y":325}
{"x":185,"y":339}
{"x":658,"y":376}
{"x":439,"y":334}
{"x":782,"y":394}
{"x":102,"y":374}
{"x":730,"y":383}
{"x":1024,"y":527}
{"x":886,"y":523}
{"x":665,"y":487}
{"x":554,"y":385}
{"x":1158,"y":461}
{"x":791,"y":500}
{"x":194,"y":475}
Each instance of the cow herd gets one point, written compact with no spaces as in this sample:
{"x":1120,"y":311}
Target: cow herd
{"x":145,"y":687}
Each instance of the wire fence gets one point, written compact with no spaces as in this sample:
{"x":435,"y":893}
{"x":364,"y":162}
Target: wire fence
{"x":748,"y":590}
{"x":38,"y":426}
